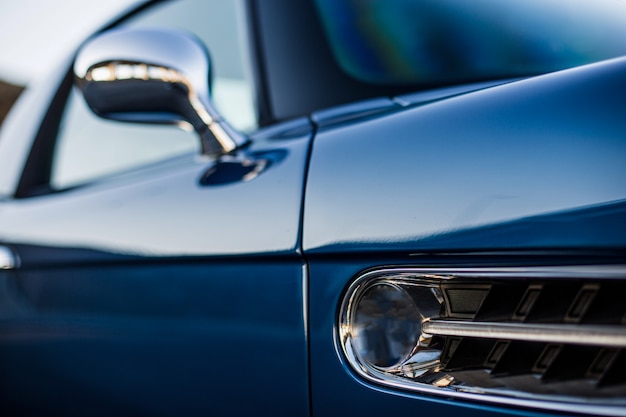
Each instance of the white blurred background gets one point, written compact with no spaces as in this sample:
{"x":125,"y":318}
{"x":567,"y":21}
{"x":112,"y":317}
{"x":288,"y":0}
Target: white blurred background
{"x":33,"y":32}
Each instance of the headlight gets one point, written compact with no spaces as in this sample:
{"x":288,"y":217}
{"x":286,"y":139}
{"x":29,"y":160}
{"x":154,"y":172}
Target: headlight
{"x":547,"y":337}
{"x":386,"y":325}
{"x":381,"y":326}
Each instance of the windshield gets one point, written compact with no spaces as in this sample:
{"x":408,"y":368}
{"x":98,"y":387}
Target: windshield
{"x":422,"y":42}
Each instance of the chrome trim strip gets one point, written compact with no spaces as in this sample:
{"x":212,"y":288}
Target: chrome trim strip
{"x":305,"y":300}
{"x":615,"y":271}
{"x":8,"y":258}
{"x":590,"y":335}
{"x":484,"y":397}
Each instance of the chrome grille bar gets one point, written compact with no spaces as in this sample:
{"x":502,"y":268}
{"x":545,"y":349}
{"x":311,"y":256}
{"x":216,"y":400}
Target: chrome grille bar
{"x":590,"y":335}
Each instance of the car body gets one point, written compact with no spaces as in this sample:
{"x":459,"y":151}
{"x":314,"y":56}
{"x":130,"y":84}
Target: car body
{"x":355,"y":243}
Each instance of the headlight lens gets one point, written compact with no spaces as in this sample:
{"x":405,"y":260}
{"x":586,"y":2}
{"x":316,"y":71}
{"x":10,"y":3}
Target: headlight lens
{"x":381,"y":326}
{"x":386,"y":325}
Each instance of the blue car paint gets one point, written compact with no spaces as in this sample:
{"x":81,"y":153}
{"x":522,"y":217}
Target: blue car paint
{"x":528,"y":173}
{"x":538,"y":146}
{"x":124,"y":215}
{"x":157,"y":338}
{"x":199,"y":322}
{"x":111,"y":312}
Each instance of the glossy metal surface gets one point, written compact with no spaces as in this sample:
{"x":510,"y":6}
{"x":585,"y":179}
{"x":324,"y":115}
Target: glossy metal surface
{"x":124,"y":216}
{"x":129,"y":278}
{"x":157,"y":292}
{"x":519,"y":174}
{"x":483,"y":170}
{"x":354,"y":111}
{"x":613,"y":336}
{"x":113,"y":313}
{"x":423,"y":97}
{"x":154,"y":76}
{"x":178,"y":337}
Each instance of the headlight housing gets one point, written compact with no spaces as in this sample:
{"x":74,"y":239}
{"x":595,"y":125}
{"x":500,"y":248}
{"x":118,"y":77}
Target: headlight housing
{"x":545,"y":337}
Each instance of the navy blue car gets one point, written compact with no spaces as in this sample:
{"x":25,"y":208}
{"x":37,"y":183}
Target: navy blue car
{"x":321,"y":208}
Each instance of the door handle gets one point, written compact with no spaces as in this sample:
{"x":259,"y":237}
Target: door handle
{"x":8,"y":258}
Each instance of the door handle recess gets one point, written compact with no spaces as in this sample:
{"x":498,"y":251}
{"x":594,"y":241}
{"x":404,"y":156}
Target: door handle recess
{"x":8,"y":258}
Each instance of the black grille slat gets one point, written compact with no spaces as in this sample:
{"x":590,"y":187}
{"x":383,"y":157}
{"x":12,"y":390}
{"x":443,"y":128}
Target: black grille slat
{"x":584,"y":299}
{"x":501,"y":302}
{"x":518,"y":358}
{"x":571,"y":362}
{"x":496,"y":354}
{"x":531,"y":295}
{"x":553,"y":302}
{"x":450,"y":345}
{"x":602,"y":363}
{"x":468,"y":354}
{"x":608,"y":305}
{"x":615,"y":373}
{"x":548,"y":355}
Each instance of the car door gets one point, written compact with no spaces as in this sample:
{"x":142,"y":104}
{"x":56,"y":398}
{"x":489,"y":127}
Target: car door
{"x":149,"y":283}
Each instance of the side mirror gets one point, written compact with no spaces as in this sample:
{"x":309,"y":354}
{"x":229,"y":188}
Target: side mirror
{"x":154,"y":76}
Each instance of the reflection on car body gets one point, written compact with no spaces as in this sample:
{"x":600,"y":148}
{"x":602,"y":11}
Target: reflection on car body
{"x":372,"y":207}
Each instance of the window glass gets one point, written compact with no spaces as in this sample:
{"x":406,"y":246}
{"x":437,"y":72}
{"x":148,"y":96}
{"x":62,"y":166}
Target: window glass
{"x":426,"y":42}
{"x":89,"y":147}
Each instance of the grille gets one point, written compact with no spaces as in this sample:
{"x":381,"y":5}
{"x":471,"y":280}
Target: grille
{"x":557,"y":337}
{"x":552,"y":338}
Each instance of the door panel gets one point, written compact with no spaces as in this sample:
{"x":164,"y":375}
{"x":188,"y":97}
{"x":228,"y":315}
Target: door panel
{"x":159,"y":290}
{"x":188,"y":338}
{"x":169,"y":210}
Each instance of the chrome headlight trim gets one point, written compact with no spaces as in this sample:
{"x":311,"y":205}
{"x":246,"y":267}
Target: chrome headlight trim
{"x":442,"y":383}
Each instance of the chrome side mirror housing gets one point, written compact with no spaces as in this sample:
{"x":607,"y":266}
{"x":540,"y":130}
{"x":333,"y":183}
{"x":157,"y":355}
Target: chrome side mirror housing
{"x":154,"y":76}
